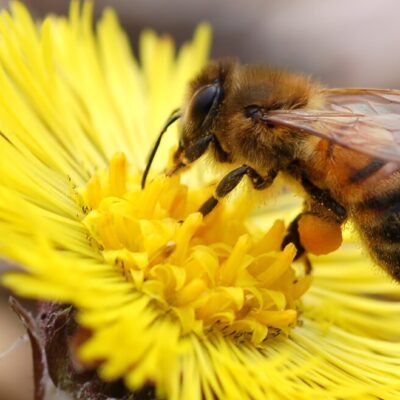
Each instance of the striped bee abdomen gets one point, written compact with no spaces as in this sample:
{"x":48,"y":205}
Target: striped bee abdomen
{"x":378,"y":220}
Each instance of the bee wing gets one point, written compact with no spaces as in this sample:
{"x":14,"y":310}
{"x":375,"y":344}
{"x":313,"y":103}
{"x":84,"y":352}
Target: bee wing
{"x":365,"y":120}
{"x":363,"y":101}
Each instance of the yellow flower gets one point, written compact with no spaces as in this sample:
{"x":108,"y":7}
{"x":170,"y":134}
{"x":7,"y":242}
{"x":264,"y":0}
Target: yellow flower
{"x":198,"y":308}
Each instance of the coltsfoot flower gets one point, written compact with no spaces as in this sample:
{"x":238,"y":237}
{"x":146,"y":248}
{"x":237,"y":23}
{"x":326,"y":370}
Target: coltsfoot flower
{"x":198,"y":308}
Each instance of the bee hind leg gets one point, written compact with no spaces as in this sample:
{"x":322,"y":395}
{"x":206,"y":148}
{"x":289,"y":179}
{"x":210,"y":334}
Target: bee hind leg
{"x":293,"y":236}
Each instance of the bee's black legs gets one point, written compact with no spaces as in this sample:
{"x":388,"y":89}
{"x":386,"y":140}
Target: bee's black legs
{"x":196,"y":150}
{"x":208,"y":206}
{"x":185,"y":156}
{"x":292,"y":236}
{"x":322,"y":198}
{"x":321,"y":205}
{"x":232,"y":179}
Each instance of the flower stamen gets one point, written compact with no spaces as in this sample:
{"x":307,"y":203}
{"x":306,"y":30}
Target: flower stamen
{"x":239,"y":288}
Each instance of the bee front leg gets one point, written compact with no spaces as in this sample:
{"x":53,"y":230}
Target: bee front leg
{"x":185,"y":156}
{"x":231,"y":180}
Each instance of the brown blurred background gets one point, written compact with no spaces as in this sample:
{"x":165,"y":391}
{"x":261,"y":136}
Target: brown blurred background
{"x":341,"y":42}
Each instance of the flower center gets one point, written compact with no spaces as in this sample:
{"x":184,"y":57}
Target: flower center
{"x":213,"y":275}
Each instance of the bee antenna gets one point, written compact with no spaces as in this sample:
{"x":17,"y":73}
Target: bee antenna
{"x":173,"y":117}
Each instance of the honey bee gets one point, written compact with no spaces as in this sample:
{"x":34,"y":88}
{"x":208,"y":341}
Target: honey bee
{"x":341,"y":145}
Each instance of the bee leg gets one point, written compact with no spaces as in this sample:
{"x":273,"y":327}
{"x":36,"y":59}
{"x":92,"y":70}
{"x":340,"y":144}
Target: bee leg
{"x":317,"y":230}
{"x":198,"y":148}
{"x":307,"y":264}
{"x":293,"y":236}
{"x":185,"y":156}
{"x":231,"y":180}
{"x":322,"y":198}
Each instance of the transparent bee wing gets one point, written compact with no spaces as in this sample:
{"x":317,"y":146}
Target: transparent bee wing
{"x":364,"y":101}
{"x":365,"y":120}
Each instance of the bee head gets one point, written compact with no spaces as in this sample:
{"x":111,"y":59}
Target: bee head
{"x":204,"y":100}
{"x":199,"y":115}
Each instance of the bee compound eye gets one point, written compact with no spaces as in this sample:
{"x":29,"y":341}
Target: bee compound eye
{"x":204,"y":100}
